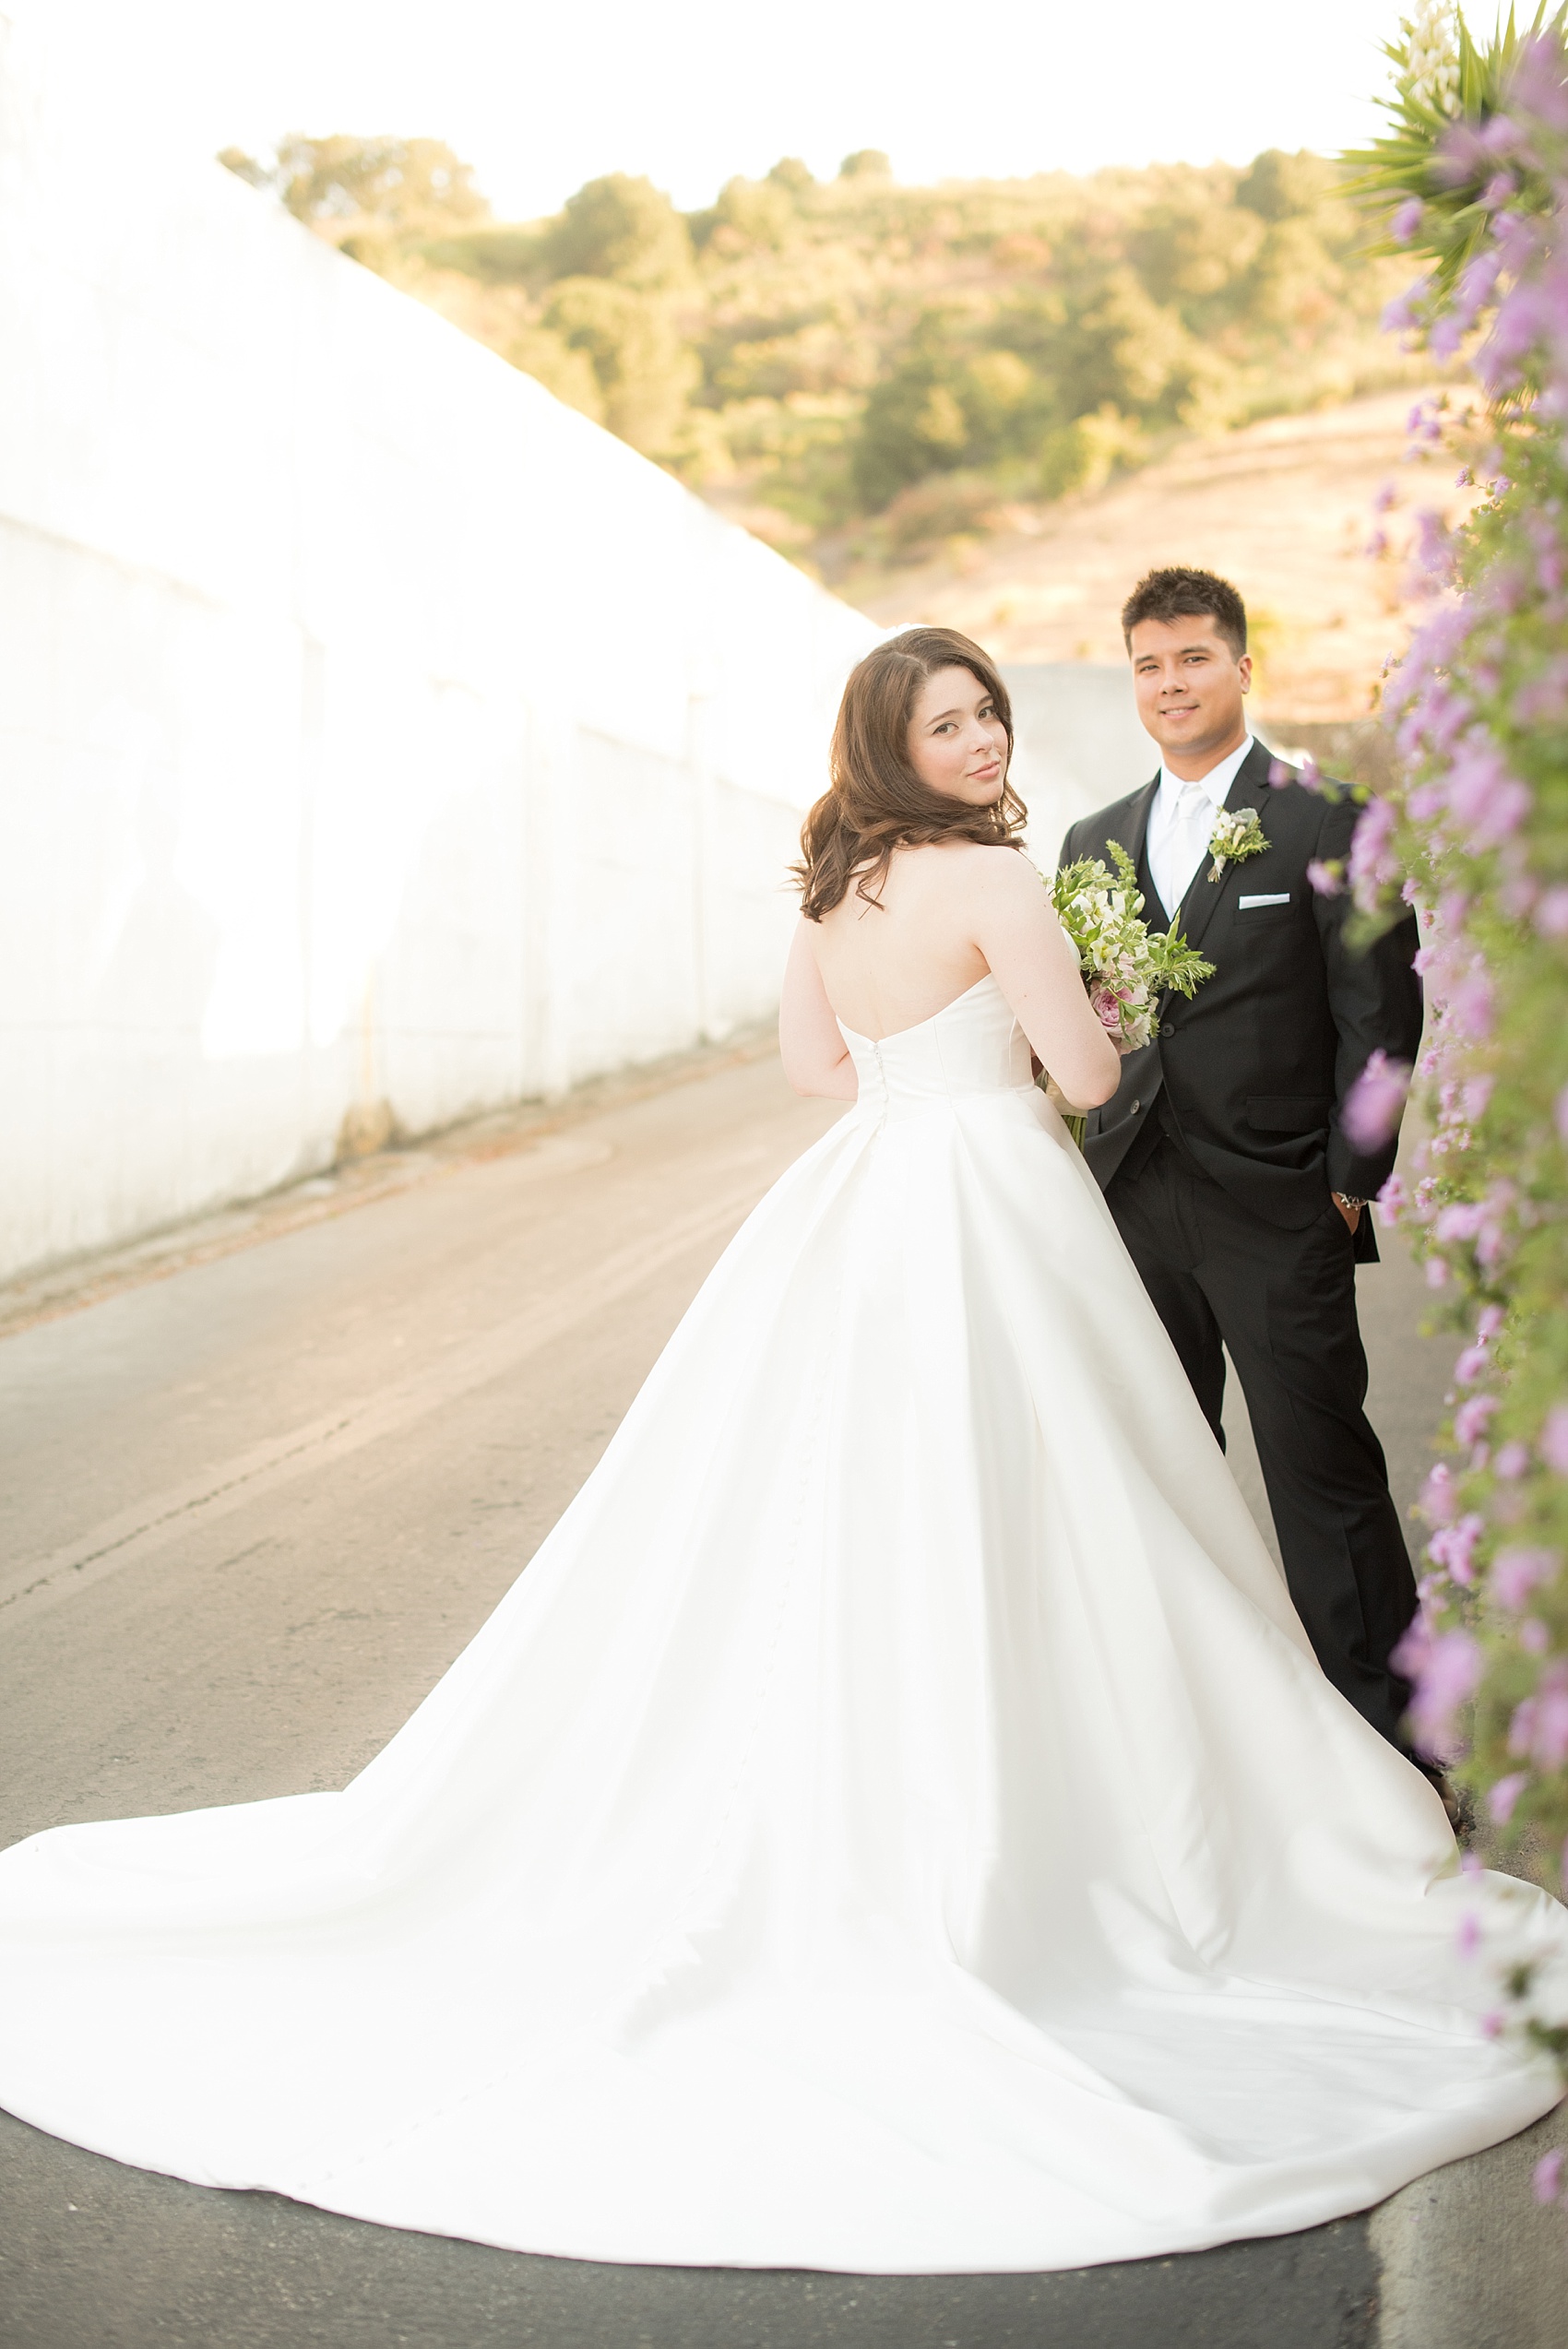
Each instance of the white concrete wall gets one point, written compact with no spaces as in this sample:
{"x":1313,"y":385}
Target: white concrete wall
{"x":1079,"y":744}
{"x":372,"y":727}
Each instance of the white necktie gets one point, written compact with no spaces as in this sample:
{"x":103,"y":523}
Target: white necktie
{"x":1181,"y":850}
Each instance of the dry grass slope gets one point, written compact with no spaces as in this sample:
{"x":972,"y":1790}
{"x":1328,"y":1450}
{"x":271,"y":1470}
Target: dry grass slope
{"x":1284,"y":507}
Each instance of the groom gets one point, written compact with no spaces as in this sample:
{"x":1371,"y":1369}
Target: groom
{"x":1222,"y":1155}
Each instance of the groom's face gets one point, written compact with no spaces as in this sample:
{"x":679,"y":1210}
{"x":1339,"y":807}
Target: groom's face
{"x":1190,"y":684}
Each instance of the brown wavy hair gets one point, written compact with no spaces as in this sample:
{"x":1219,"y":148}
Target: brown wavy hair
{"x":875,"y":802}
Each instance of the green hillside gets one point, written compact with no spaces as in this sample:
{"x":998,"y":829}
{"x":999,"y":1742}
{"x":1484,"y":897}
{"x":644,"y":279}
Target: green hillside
{"x":859,"y":367}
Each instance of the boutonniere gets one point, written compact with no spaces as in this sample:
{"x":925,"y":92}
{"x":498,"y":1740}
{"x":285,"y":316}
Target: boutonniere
{"x":1237,"y":835}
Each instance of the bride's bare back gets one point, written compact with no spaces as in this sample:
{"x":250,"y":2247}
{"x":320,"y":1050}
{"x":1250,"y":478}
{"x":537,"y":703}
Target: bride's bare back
{"x":889,"y":962}
{"x":948,"y":912}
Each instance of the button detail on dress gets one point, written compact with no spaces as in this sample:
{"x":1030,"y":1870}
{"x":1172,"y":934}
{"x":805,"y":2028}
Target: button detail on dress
{"x":1136,"y":1108}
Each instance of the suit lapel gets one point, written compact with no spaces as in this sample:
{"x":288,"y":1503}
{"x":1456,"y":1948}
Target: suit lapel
{"x":1155,"y":912}
{"x":1250,"y":788}
{"x":1133,"y":836}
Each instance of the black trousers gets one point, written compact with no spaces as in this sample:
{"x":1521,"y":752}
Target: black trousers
{"x":1284,"y":1302}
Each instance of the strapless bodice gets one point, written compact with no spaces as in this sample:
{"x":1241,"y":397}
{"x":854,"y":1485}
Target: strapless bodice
{"x":972,"y":1045}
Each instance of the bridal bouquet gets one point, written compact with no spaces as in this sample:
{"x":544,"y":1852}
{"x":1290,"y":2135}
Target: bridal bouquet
{"x":1127,"y":966}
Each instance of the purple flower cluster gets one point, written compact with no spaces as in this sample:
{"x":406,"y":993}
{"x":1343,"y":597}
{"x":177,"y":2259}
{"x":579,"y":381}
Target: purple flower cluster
{"x":1374,"y":1104}
{"x":1539,"y":1727}
{"x":1475,"y":834}
{"x":1517,"y":1572}
{"x":1444,"y":1668}
{"x":1375,"y":863}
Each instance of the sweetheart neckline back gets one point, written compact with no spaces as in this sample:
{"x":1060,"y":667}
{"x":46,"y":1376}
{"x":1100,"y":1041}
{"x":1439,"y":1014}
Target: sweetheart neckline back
{"x":986,"y":979}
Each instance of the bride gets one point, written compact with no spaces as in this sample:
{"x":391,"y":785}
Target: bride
{"x":897,"y":1822}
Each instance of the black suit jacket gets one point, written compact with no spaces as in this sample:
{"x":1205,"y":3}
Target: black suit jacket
{"x":1255,"y":1068}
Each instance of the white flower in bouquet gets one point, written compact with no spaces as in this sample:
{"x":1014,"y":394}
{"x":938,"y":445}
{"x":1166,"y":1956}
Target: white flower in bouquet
{"x":1127,"y":967}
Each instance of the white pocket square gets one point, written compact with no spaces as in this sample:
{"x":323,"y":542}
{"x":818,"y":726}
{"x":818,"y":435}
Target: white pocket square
{"x":1283,"y":898}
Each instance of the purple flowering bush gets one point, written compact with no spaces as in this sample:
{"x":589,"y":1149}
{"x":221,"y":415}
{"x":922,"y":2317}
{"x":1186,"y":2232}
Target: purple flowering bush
{"x":1475,"y":834}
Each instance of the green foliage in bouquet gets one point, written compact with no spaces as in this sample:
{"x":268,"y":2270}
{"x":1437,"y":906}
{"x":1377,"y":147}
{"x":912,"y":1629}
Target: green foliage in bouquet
{"x":1127,"y":966}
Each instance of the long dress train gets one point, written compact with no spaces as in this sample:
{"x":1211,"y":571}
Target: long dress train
{"x":896,"y":1823}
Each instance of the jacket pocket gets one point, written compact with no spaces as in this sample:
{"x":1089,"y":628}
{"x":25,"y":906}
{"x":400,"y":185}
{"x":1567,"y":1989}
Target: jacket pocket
{"x":1286,"y":1112}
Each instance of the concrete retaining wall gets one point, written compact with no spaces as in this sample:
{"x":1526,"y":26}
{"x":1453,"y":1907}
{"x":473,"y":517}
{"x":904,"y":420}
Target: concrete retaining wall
{"x":1079,"y":743}
{"x":377,"y":736}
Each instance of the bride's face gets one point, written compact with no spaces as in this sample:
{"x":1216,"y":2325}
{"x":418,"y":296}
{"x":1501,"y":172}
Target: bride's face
{"x":957,"y":743}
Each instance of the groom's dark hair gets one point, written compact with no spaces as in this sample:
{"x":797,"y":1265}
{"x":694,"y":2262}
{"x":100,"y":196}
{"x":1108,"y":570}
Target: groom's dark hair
{"x":1179,"y":594}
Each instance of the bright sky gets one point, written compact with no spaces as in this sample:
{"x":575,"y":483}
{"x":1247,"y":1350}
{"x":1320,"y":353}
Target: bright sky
{"x":542,"y":97}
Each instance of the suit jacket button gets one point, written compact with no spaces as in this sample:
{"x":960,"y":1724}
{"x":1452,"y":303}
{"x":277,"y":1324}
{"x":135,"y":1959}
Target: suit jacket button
{"x":1168,"y":1028}
{"x":1136,"y":1108}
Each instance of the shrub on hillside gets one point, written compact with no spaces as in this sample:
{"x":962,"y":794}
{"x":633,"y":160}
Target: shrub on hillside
{"x":929,"y":513}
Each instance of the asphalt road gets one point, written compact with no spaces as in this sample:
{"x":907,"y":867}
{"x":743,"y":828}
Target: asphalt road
{"x":253,"y":1508}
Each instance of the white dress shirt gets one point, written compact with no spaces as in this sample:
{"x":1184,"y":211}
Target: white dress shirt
{"x":1180,"y":823}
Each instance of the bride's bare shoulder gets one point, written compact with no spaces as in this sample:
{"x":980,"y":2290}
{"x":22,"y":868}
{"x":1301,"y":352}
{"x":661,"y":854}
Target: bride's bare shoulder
{"x":951,"y":858}
{"x":966,"y":878}
{"x":991,"y":871}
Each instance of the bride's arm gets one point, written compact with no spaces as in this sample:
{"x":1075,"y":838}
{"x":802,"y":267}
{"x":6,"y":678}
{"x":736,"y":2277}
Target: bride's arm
{"x":816,"y":1059}
{"x":1016,"y":931}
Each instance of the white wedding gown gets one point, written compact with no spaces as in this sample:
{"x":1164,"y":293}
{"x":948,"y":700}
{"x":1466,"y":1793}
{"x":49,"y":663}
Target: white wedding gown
{"x":896,"y":1823}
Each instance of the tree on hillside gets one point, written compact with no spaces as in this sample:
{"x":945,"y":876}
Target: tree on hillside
{"x":751,"y":214}
{"x":645,"y":370}
{"x":941,"y":406}
{"x":790,"y":173}
{"x":361,"y":194}
{"x":613,"y":261}
{"x":624,"y":229}
{"x":1277,"y":186}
